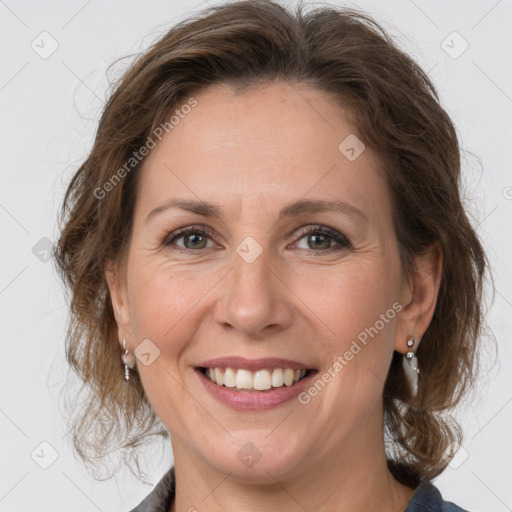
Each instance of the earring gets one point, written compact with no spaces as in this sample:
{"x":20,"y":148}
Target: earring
{"x":128,"y":360}
{"x":410,"y":365}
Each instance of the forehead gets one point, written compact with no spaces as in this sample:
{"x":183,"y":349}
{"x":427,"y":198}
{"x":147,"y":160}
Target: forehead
{"x":265,"y":147}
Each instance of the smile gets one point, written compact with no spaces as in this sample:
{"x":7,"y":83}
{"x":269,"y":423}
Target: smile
{"x":254,"y":384}
{"x":259,"y":380}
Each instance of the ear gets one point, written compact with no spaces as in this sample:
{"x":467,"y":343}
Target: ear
{"x":116,"y":282}
{"x":419,"y":297}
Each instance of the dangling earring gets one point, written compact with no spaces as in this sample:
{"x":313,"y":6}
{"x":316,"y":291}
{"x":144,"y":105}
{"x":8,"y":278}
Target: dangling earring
{"x":410,"y":365}
{"x":128,"y":360}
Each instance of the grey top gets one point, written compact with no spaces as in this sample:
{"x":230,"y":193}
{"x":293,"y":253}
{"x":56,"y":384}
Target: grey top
{"x":427,"y":498}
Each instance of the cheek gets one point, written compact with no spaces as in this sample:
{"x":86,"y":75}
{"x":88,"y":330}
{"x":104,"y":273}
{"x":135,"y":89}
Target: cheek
{"x":355,"y":308}
{"x":165,"y":308}
{"x":349,"y":299}
{"x":166,"y":303}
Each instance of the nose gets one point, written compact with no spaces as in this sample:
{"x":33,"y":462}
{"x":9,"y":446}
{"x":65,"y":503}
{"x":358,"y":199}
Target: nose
{"x":255,"y":299}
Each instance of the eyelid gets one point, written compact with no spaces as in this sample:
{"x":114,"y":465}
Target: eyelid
{"x":178,"y":233}
{"x":340,"y":238}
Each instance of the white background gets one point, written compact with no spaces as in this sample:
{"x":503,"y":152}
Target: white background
{"x":49,"y":109}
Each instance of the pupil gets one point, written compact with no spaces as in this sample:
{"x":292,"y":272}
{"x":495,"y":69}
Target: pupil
{"x":320,"y":239}
{"x":196,"y":239}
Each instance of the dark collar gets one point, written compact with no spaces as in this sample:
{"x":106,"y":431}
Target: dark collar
{"x":426,"y":498}
{"x":161,"y":497}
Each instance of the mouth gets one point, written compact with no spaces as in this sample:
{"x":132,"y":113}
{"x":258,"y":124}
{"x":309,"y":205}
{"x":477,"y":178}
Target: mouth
{"x":254,"y":384}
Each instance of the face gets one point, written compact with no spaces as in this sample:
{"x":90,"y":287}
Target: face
{"x":271,"y":280}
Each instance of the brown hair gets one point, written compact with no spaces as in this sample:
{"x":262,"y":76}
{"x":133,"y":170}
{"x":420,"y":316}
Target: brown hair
{"x":396,"y":111}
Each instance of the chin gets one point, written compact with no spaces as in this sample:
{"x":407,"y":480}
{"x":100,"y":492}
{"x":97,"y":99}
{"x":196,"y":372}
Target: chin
{"x":256,"y":458}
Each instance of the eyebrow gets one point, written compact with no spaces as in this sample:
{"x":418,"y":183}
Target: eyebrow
{"x":296,"y":209}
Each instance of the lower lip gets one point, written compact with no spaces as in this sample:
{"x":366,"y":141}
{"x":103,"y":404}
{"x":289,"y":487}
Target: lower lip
{"x":254,"y":400}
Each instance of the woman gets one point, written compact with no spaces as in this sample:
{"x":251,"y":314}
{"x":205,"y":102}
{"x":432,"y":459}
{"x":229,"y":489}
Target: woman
{"x":269,"y":260}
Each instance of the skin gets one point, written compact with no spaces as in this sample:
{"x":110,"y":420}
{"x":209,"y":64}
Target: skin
{"x":252,"y":154}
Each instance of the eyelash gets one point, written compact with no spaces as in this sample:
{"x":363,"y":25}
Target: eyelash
{"x":342,"y":241}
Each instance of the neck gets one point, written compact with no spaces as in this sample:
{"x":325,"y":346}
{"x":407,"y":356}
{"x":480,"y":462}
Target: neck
{"x":355,"y":479}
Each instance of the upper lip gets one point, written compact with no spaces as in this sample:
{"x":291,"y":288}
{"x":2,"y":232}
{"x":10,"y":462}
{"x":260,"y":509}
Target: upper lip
{"x":253,"y":364}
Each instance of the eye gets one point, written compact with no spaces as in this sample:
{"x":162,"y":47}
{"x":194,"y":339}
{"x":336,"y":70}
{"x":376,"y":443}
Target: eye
{"x":194,"y":237}
{"x":319,"y":239}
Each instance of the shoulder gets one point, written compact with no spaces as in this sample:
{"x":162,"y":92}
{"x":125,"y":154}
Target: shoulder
{"x":428,"y":498}
{"x":161,"y":497}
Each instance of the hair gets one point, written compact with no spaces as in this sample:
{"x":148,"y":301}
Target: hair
{"x":395,"y":110}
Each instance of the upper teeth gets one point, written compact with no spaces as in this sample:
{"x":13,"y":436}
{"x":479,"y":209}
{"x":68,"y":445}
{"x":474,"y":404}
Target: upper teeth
{"x":259,"y":380}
